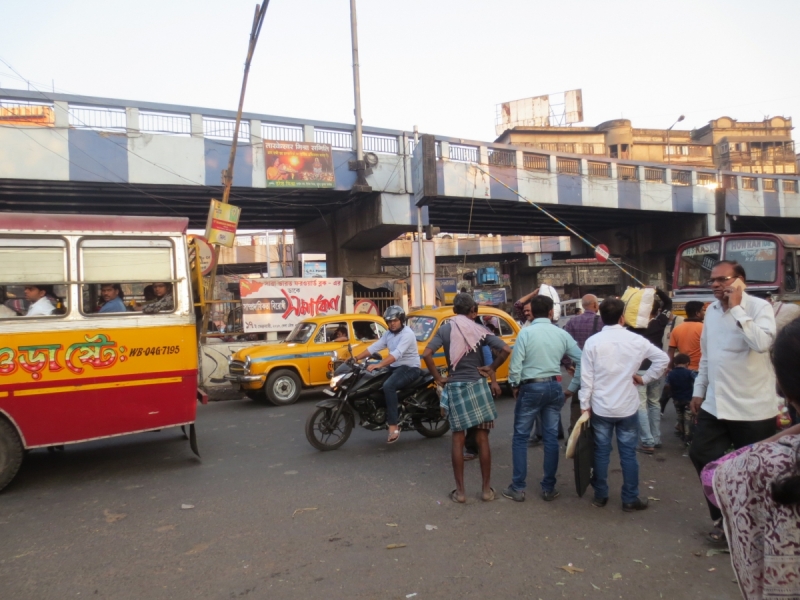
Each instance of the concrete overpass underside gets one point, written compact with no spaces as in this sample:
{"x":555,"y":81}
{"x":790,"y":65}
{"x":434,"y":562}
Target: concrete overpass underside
{"x":482,"y":216}
{"x":277,"y":209}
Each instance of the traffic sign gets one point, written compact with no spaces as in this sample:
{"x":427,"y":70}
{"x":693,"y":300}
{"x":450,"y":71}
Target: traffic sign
{"x":601,"y":252}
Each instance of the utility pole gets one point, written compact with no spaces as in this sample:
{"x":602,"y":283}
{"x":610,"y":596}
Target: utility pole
{"x":360,"y":166}
{"x":227,"y":174}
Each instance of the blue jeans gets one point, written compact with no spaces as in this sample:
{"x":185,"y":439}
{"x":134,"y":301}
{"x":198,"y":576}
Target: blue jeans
{"x":534,"y":399}
{"x":650,"y":411}
{"x":627,"y":434}
{"x":401,"y":376}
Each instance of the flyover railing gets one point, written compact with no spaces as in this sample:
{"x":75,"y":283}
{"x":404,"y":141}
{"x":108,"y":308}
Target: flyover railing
{"x":125,"y":116}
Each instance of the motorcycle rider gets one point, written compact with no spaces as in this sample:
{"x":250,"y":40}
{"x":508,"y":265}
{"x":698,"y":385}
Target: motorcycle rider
{"x":403,"y":360}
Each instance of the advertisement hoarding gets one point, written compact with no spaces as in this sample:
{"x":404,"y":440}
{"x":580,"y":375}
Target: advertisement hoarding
{"x":280,"y":304}
{"x":299,"y":165}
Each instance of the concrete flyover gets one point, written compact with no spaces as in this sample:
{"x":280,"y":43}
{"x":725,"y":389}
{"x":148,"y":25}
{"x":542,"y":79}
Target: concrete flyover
{"x":87,"y":154}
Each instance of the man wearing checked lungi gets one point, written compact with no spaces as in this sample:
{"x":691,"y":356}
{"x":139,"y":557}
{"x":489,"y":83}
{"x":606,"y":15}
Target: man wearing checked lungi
{"x":467,"y":399}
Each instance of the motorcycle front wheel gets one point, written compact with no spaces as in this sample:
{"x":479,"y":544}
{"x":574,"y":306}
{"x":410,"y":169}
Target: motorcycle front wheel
{"x":323,"y":434}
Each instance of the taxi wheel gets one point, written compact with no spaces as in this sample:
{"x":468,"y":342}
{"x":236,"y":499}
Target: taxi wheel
{"x":283,"y":387}
{"x":11,"y":453}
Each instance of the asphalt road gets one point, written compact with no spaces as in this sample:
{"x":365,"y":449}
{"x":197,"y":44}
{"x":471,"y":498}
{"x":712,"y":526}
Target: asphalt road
{"x":273,"y":518}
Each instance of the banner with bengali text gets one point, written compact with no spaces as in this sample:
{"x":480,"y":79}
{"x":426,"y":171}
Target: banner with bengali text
{"x":280,"y":304}
{"x":299,"y":165}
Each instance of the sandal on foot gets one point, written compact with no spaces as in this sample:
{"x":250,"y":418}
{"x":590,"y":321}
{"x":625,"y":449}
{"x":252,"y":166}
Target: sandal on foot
{"x":454,"y":497}
{"x":717,"y":535}
{"x":488,"y":496}
{"x":394,"y":436}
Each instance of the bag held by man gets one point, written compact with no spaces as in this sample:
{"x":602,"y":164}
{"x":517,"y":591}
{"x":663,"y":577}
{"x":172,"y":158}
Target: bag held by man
{"x":638,"y":306}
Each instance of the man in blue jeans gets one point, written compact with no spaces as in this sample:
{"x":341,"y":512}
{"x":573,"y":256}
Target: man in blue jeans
{"x":533,"y":376}
{"x":609,"y":381}
{"x":403,"y":360}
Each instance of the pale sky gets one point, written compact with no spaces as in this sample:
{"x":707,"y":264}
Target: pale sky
{"x":440,"y":64}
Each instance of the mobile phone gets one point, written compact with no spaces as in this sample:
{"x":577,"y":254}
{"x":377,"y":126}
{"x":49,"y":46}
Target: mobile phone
{"x":737,"y":284}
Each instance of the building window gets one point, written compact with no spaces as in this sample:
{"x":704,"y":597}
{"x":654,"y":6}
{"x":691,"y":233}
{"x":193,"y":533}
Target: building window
{"x":612,"y":151}
{"x":623,"y":151}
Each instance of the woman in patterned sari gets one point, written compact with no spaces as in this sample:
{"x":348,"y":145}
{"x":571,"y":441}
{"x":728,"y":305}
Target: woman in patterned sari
{"x":758,"y":491}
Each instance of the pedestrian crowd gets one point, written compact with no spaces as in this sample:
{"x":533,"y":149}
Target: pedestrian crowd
{"x":727,"y":368}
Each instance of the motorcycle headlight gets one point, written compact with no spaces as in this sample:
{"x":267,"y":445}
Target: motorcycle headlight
{"x":335,"y":380}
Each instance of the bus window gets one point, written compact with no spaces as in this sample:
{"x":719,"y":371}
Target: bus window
{"x":126,"y":274}
{"x":759,"y":258}
{"x":33,"y":276}
{"x":789,"y":272}
{"x":696,"y":264}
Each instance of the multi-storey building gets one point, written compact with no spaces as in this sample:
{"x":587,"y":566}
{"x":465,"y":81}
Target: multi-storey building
{"x":749,"y":147}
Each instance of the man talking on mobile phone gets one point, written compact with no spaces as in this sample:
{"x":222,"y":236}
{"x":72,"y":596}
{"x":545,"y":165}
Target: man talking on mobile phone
{"x":735,"y":377}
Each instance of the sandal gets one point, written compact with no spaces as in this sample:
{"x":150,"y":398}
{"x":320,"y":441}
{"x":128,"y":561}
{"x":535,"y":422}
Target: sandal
{"x":490,"y":496}
{"x":393,"y":436}
{"x":454,"y":497}
{"x":717,"y":535}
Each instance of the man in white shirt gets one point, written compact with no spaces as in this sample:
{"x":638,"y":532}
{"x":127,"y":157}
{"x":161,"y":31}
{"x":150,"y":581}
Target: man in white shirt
{"x":41,"y":305}
{"x":608,"y":391}
{"x":735,"y":375}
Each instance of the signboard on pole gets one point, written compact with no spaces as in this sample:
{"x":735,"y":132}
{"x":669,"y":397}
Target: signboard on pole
{"x":601,"y":252}
{"x":280,"y":304}
{"x":222,"y":222}
{"x":299,"y":165}
{"x":204,"y":251}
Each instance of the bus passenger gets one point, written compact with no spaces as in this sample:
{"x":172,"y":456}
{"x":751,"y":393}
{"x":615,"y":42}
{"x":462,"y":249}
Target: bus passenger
{"x":163,"y":302}
{"x":113,"y":298}
{"x":37,"y":295}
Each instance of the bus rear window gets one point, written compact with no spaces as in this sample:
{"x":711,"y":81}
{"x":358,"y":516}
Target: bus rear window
{"x":696,"y":263}
{"x":759,"y":258}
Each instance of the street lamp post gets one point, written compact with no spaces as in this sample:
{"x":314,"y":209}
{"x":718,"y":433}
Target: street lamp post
{"x":669,"y":155}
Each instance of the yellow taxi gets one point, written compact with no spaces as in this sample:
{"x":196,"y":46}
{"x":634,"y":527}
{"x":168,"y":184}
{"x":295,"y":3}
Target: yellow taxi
{"x":426,"y":321}
{"x":278,"y":372}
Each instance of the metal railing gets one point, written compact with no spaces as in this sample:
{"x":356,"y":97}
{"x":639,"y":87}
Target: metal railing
{"x":769,"y":185}
{"x":599,"y":169}
{"x":571,"y":166}
{"x":463,"y":153}
{"x":654,"y":175}
{"x":281,"y":133}
{"x":94,"y":117}
{"x":626,"y":172}
{"x":29,"y":112}
{"x":706,"y":179}
{"x":502,"y":158}
{"x":535,"y":162}
{"x":748,"y":183}
{"x":790,"y":186}
{"x":222,"y":129}
{"x":382,"y":144}
{"x":681,"y":177}
{"x":156,"y":122}
{"x":729,"y":182}
{"x":342,"y":140}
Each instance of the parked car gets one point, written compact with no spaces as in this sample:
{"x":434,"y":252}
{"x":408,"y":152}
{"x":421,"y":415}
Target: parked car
{"x":278,"y":372}
{"x":425,"y":322}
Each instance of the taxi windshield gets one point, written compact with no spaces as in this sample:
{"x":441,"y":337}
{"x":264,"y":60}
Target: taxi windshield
{"x":696,"y":263}
{"x":422,"y":327}
{"x":759,"y":257}
{"x":301,"y":333}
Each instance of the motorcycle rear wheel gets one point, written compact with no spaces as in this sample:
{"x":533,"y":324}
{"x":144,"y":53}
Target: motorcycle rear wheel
{"x":324,"y":435}
{"x":431,"y":428}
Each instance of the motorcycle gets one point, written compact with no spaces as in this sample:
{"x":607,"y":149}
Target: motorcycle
{"x":358,"y":393}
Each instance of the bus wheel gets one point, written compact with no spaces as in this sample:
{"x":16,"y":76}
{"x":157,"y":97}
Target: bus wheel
{"x":283,"y":387}
{"x":11,"y":453}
